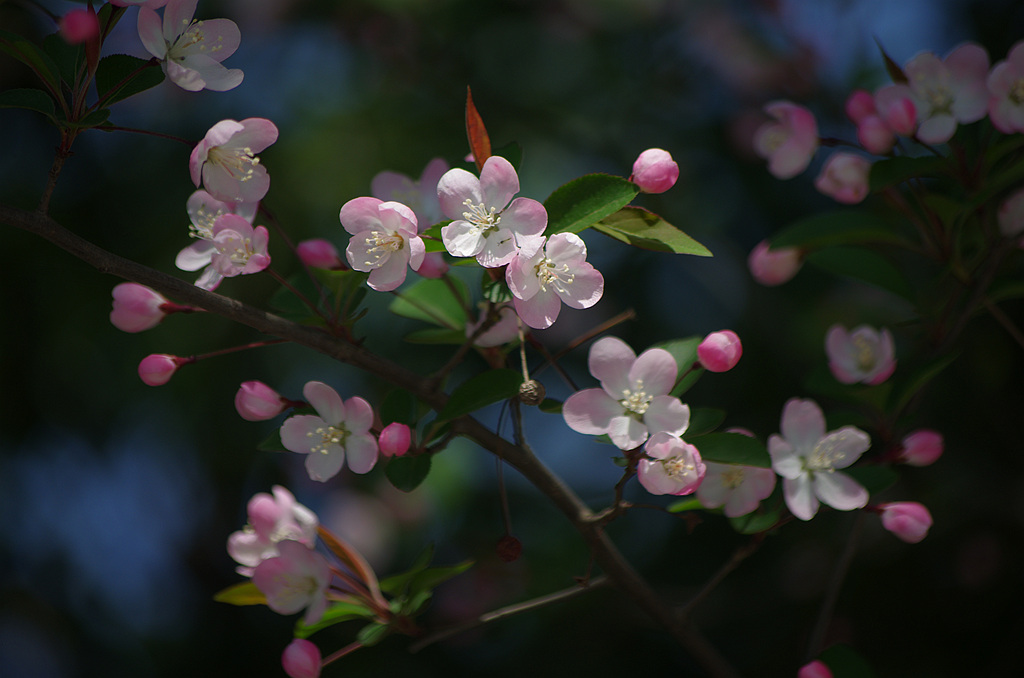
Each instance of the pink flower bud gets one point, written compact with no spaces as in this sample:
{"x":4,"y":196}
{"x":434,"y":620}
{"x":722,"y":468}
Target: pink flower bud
{"x":898,"y":112}
{"x":655,"y":171}
{"x":860,"y":105}
{"x":922,"y":447}
{"x":875,"y":135}
{"x":136,"y":307}
{"x":318,"y":253}
{"x":908,"y":520}
{"x":720,"y":351}
{"x":301,"y":659}
{"x":394,"y":440}
{"x":433,"y":266}
{"x":255,"y":401}
{"x":158,"y":368}
{"x":845,"y":178}
{"x":78,"y":26}
{"x":816,"y":669}
{"x":773,"y":267}
{"x":264,"y":514}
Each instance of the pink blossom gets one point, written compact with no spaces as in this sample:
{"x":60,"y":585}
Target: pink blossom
{"x":255,"y":401}
{"x":542,"y":280}
{"x":137,"y":307}
{"x":79,"y":25}
{"x":191,"y":51}
{"x":736,"y":487}
{"x":897,"y":110}
{"x":807,"y":458}
{"x":420,"y":195}
{"x":433,"y":266}
{"x":487,"y":223}
{"x":301,"y":659}
{"x":384,"y":241}
{"x":875,"y":136}
{"x":908,"y":520}
{"x":158,"y":368}
{"x":844,"y":178}
{"x":773,"y":266}
{"x":864,"y":355}
{"x":673,"y":467}
{"x":654,"y":171}
{"x":633,"y":400}
{"x":239,"y":249}
{"x":505,"y":327}
{"x":720,"y":351}
{"x":394,"y":440}
{"x":272,"y":519}
{"x":203,"y":211}
{"x":923,"y":447}
{"x":816,"y":669}
{"x":859,"y":105}
{"x":294,"y":579}
{"x":1006,"y":92}
{"x":226,"y":161}
{"x":318,"y":253}
{"x":790,"y":141}
{"x":342,"y":427}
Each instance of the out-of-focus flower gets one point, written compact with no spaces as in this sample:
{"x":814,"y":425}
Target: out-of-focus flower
{"x":773,"y":266}
{"x":420,"y":195}
{"x":1011,"y":215}
{"x":384,"y":241}
{"x":79,"y":25}
{"x":720,"y":351}
{"x":674,"y":467}
{"x":301,"y":659}
{"x":864,"y":355}
{"x":807,"y":458}
{"x":226,"y":161}
{"x":844,"y":178}
{"x":294,"y":579}
{"x":790,"y":141}
{"x":555,"y":273}
{"x":318,"y":253}
{"x":272,"y":519}
{"x":504,"y":330}
{"x":158,"y":368}
{"x":654,"y":171}
{"x":908,"y":520}
{"x":1006,"y":92}
{"x":433,"y":266}
{"x":738,"y":488}
{"x":815,"y":669}
{"x":897,"y":110}
{"x":923,"y":447}
{"x":191,"y":51}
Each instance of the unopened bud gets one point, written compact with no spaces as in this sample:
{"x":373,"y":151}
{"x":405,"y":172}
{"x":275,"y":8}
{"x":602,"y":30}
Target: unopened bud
{"x":394,"y":440}
{"x":318,"y":253}
{"x":301,"y":659}
{"x":158,"y":368}
{"x":908,"y":520}
{"x":720,"y":351}
{"x":255,"y":401}
{"x":654,"y":171}
{"x":922,"y":447}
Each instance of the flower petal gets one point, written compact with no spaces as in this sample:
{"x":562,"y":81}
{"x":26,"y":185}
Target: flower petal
{"x":840,"y":491}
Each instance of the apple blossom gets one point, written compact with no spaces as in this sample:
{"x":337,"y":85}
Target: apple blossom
{"x":674,"y":466}
{"x":504,"y":327}
{"x":864,"y":355}
{"x":720,"y":351}
{"x":859,"y":105}
{"x":844,"y":178}
{"x":319,"y":253}
{"x":807,"y":458}
{"x":191,"y":51}
{"x":255,"y":401}
{"x":203,"y":211}
{"x":874,"y":135}
{"x":736,"y":487}
{"x":79,"y":25}
{"x":137,"y":307}
{"x":555,"y":273}
{"x":815,"y":669}
{"x":773,"y":266}
{"x":294,"y":579}
{"x":272,"y":519}
{"x":301,"y":659}
{"x":923,"y":447}
{"x":420,"y":195}
{"x":633,"y":400}
{"x":158,"y":368}
{"x":239,"y":249}
{"x":1006,"y":92}
{"x":394,"y":439}
{"x":486,"y":222}
{"x":342,"y":427}
{"x":788,"y":142}
{"x":226,"y":161}
{"x":654,"y":171}
{"x":897,"y":110}
{"x":384,"y":241}
{"x":908,"y":520}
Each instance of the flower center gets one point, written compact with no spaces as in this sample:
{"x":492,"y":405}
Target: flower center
{"x":733,"y":478}
{"x":239,"y":163}
{"x":1016,"y":92}
{"x":329,"y":435}
{"x":939,"y":97}
{"x":636,"y":402}
{"x":826,"y":454}
{"x":677,"y":467}
{"x":236,"y":248}
{"x":192,"y":34}
{"x":773,"y":137}
{"x":549,"y":273}
{"x":380,"y":246}
{"x":202,"y":223}
{"x":486,"y":220}
{"x":865,"y":353}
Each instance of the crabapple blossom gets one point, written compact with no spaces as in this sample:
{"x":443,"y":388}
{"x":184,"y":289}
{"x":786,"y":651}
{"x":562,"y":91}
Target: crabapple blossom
{"x":807,"y":458}
{"x":874,"y":135}
{"x":908,"y":520}
{"x":897,"y":110}
{"x":773,"y":266}
{"x":720,"y":351}
{"x":255,"y":401}
{"x":203,"y":211}
{"x":301,"y":659}
{"x":844,"y":178}
{"x":633,"y":400}
{"x":384,"y":241}
{"x":674,"y":466}
{"x":420,"y":195}
{"x":1006,"y":92}
{"x":859,"y":105}
{"x":864,"y":355}
{"x":272,"y":519}
{"x":79,"y":25}
{"x":342,"y":427}
{"x":158,"y":368}
{"x":318,"y":253}
{"x":654,"y":171}
{"x":296,"y":578}
{"x":239,"y":249}
{"x":394,"y":439}
{"x":486,"y":222}
{"x":736,"y":487}
{"x":226,"y":161}
{"x":788,"y":142}
{"x":191,"y":51}
{"x":556,"y":273}
{"x":815,"y":669}
{"x":923,"y":447}
{"x":505,"y":327}
{"x":137,"y":307}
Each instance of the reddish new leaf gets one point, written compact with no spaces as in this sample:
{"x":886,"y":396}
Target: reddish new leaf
{"x":479,"y":142}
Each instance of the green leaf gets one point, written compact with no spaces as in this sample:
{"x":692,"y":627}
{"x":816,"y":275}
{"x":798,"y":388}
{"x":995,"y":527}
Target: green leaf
{"x":582,"y":202}
{"x":32,"y":99}
{"x":436,"y":335}
{"x":864,"y":265}
{"x":732,"y":448}
{"x":835,"y":228}
{"x":550,"y":406}
{"x":432,"y":237}
{"x":430,"y":578}
{"x":892,"y":171}
{"x":685,"y":353}
{"x":94,"y":119}
{"x":495,"y":291}
{"x":398,"y":584}
{"x":704,"y":420}
{"x":335,"y":614}
{"x":243,"y":593}
{"x":32,"y":56}
{"x":484,"y":389}
{"x":69,"y":59}
{"x":373,"y":633}
{"x":433,"y":301}
{"x":646,"y":230}
{"x":845,"y":662}
{"x":901,"y":396}
{"x":120,"y":76}
{"x":873,"y":478}
{"x":684,"y":505}
{"x":407,"y":473}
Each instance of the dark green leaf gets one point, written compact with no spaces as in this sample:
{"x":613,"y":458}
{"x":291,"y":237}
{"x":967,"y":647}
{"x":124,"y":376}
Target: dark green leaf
{"x":873,"y":478}
{"x":646,"y":230}
{"x":272,"y":443}
{"x":373,"y":633}
{"x":892,"y":171}
{"x":406,"y":473}
{"x":845,"y":662}
{"x":582,"y":202}
{"x":920,"y":378}
{"x":335,"y":614}
{"x":433,"y":301}
{"x":704,"y":420}
{"x":243,"y":593}
{"x":398,"y":584}
{"x":685,"y":353}
{"x":495,"y":291}
{"x":32,"y":99}
{"x":398,"y":405}
{"x":432,"y":237}
{"x":835,"y":228}
{"x":551,"y":406}
{"x":32,"y":56}
{"x":436,"y":335}
{"x":684,"y":505}
{"x":484,"y":389}
{"x":732,"y":448}
{"x":763,"y":518}
{"x":94,"y":119}
{"x":864,"y":265}
{"x":428,"y":579}
{"x":120,"y":76}
{"x":69,"y":59}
